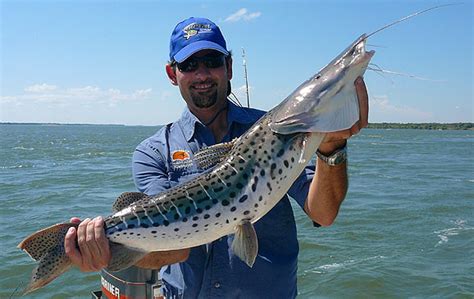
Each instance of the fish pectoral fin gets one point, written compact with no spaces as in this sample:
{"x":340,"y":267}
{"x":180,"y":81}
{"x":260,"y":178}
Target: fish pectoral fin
{"x":126,"y":199}
{"x":123,"y":257}
{"x":245,"y":244}
{"x":210,"y":156}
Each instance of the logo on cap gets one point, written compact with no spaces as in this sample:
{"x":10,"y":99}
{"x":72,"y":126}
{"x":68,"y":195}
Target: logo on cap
{"x":195,"y":28}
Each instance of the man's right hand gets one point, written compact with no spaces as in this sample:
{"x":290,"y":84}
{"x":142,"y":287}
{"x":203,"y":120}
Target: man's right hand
{"x":91,"y":252}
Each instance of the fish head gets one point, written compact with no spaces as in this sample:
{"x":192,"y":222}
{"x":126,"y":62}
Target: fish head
{"x":327,"y":102}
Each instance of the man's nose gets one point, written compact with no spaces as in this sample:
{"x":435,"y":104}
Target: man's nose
{"x":202,"y":70}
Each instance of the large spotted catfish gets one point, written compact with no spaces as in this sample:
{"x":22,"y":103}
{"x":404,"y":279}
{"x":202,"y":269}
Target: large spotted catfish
{"x":245,"y":179}
{"x":249,"y":176}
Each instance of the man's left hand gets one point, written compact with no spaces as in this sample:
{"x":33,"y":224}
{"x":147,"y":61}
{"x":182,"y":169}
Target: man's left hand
{"x":336,"y":140}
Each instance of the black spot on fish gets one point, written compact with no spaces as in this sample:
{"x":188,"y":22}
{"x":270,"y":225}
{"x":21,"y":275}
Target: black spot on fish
{"x":239,"y":185}
{"x":215,"y":201}
{"x":156,"y":224}
{"x":185,"y":219}
{"x":256,"y":205}
{"x":176,"y":216}
{"x":206,"y":216}
{"x":262,"y":172}
{"x":218,"y":189}
{"x":280,"y":171}
{"x":233,"y":209}
{"x":280,"y":153}
{"x":199,"y":192}
{"x":195,"y":224}
{"x":144,"y":225}
{"x":199,"y":210}
{"x":176,"y":229}
{"x":218,"y":215}
{"x":228,"y":184}
{"x":269,"y":186}
{"x":131,"y":226}
{"x":246,"y":212}
{"x":227,"y":177}
{"x":254,"y":185}
{"x":225,"y":202}
{"x":187,"y":210}
{"x":292,"y":159}
{"x":260,"y":198}
{"x":207,"y":207}
{"x":243,"y":198}
{"x":232,"y":194}
{"x":245,"y":176}
{"x":227,"y":221}
{"x":195,"y":218}
{"x":286,"y":163}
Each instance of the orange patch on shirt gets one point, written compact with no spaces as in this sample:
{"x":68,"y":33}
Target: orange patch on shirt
{"x":180,"y":155}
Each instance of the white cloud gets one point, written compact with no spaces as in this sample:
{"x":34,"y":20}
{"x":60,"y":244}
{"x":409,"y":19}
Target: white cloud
{"x":242,"y":14}
{"x":40,"y":88}
{"x":241,"y":93}
{"x":44,"y":93}
{"x":382,"y":110}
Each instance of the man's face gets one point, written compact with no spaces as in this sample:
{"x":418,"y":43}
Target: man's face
{"x":204,"y":86}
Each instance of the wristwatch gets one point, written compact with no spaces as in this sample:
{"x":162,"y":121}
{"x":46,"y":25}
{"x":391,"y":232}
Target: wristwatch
{"x":336,"y":158}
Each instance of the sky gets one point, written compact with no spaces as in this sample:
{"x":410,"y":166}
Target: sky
{"x":102,"y":62}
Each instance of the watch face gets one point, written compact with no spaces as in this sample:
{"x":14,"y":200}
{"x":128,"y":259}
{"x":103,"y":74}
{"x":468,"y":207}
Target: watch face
{"x":337,"y":158}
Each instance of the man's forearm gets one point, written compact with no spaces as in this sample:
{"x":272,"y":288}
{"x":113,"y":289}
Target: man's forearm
{"x":326,"y":192}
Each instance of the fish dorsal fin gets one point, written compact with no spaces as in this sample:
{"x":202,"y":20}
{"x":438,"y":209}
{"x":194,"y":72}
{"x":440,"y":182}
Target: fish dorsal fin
{"x":245,"y":244}
{"x":209,"y":156}
{"x":126,"y":199}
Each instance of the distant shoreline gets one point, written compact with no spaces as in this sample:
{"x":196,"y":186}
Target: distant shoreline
{"x":423,"y":126}
{"x":384,"y":125}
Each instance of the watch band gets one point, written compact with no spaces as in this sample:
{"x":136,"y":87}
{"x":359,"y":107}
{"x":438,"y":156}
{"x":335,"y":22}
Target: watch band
{"x":336,"y":158}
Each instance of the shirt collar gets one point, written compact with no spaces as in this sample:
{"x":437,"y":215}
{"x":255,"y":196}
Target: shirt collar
{"x":235,"y":114}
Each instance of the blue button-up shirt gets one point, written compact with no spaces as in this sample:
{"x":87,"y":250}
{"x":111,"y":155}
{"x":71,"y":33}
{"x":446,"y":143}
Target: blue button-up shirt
{"x":212,"y":271}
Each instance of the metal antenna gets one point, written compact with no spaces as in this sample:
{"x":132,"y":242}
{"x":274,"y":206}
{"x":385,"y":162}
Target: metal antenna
{"x":246,"y":77}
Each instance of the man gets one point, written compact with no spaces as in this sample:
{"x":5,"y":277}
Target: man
{"x":201,"y":66}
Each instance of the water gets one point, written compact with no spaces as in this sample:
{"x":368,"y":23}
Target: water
{"x":406,"y":228}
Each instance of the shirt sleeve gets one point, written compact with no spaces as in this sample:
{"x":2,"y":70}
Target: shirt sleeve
{"x":149,"y":170}
{"x":300,"y":188}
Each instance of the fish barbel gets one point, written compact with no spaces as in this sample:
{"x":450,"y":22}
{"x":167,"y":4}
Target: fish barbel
{"x":245,"y":180}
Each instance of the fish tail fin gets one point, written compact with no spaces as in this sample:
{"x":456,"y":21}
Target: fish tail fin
{"x":47,"y":247}
{"x":123,"y":257}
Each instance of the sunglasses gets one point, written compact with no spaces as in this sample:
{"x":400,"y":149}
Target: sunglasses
{"x":191,"y":64}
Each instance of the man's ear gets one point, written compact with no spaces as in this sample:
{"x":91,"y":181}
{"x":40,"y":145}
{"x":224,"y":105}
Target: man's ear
{"x":171,"y":74}
{"x":229,"y":68}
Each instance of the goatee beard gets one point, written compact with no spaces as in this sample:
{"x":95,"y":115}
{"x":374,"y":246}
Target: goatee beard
{"x":204,"y":101}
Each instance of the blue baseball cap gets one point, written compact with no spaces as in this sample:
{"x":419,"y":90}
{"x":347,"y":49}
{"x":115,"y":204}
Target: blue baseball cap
{"x":193,"y":35}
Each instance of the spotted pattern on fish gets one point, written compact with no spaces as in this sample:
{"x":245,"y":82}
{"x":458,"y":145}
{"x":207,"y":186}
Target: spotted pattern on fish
{"x":252,"y":172}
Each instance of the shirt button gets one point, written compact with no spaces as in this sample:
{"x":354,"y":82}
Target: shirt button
{"x":217,"y":285}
